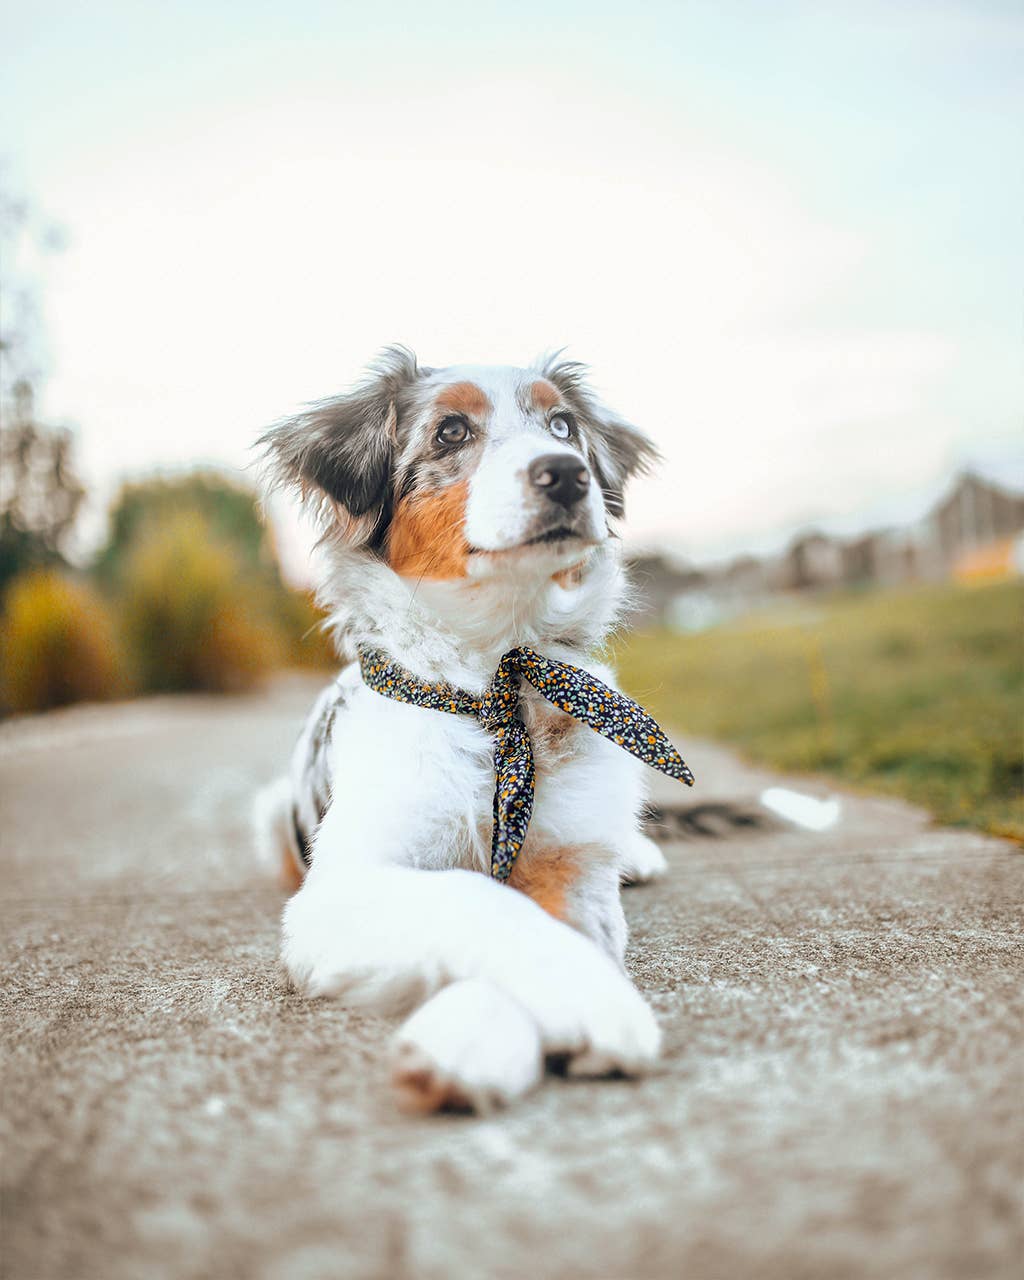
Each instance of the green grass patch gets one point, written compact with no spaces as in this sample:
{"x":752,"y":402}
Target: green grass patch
{"x":919,"y":693}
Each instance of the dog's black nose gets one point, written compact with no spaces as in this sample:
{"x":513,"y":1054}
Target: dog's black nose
{"x":563,"y":478}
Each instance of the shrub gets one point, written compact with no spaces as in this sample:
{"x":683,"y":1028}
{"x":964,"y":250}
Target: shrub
{"x":191,"y":611}
{"x":57,"y":644}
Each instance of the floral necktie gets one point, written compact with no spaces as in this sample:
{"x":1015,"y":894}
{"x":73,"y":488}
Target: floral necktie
{"x":566,"y":687}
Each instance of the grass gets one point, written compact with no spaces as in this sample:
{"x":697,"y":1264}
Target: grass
{"x":918,"y":693}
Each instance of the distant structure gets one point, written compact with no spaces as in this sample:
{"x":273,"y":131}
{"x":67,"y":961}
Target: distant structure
{"x":658,"y":583}
{"x":975,"y":515}
{"x":976,"y":531}
{"x":812,"y":560}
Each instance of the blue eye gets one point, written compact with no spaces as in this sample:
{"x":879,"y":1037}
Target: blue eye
{"x":560,"y":426}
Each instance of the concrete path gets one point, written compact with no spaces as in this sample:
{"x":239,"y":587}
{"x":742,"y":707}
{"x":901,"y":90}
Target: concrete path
{"x":841,"y":1095}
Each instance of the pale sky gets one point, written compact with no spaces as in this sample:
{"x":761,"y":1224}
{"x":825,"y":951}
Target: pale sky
{"x":786,"y":236}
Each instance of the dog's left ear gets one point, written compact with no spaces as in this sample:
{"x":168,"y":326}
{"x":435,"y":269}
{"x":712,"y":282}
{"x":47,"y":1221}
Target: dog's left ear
{"x":618,"y":450}
{"x":340,"y":452}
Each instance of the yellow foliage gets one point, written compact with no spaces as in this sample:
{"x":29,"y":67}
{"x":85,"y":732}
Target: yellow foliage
{"x":57,"y":644}
{"x":192,"y":612}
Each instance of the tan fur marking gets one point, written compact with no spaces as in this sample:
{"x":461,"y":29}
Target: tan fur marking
{"x":419,"y":1092}
{"x":549,"y":734}
{"x":426,"y":539}
{"x":571,"y":577}
{"x":289,"y":876}
{"x":546,"y":875}
{"x":464,"y":397}
{"x":545,"y":395}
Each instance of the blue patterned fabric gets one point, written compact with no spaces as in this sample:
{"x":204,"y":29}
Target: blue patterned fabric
{"x":569,"y":688}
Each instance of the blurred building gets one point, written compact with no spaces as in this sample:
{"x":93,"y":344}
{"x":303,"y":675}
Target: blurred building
{"x":811,"y":560}
{"x":974,"y":532}
{"x":658,"y":581}
{"x":976,"y":514}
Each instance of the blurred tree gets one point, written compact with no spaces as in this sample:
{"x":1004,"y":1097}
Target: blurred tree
{"x":28,"y":241}
{"x":40,"y":495}
{"x":193,"y":616}
{"x":226,"y":513}
{"x":228,"y":508}
{"x":19,"y":317}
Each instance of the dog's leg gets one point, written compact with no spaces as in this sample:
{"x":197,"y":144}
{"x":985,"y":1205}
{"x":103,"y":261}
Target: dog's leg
{"x":641,"y":860}
{"x":371,"y":929}
{"x":386,"y":938}
{"x":594,"y":906}
{"x":470,"y":1047}
{"x":273,"y":832}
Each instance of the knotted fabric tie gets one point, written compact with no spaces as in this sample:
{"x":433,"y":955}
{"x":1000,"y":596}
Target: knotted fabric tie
{"x":568,"y":688}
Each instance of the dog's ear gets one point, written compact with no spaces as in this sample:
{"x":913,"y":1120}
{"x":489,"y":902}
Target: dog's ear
{"x":340,"y":452}
{"x":618,"y":450}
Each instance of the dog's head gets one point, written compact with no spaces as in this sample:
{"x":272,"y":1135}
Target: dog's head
{"x":463,"y":472}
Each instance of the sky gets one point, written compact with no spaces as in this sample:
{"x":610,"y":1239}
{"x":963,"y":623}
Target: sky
{"x":786,"y":237}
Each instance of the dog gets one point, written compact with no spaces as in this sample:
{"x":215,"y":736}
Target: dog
{"x":465,"y":511}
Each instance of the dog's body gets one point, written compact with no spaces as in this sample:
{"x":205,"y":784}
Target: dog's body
{"x":466,"y":512}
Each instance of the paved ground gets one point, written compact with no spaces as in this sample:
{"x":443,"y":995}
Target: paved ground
{"x":841,"y":1095}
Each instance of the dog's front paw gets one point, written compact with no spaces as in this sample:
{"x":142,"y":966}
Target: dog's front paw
{"x":620,"y":1034}
{"x":587,"y":1008}
{"x":641,"y":861}
{"x":470,"y":1048}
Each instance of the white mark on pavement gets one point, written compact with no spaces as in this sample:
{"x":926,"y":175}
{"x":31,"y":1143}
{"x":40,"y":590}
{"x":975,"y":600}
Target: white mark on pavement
{"x":801,"y":810}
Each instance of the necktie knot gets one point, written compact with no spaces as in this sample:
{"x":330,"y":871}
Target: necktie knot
{"x":500,"y":702}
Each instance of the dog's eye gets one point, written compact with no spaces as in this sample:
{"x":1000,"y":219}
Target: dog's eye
{"x":560,"y":426}
{"x":453,"y":431}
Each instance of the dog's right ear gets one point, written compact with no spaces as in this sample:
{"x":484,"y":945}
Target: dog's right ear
{"x":340,"y":452}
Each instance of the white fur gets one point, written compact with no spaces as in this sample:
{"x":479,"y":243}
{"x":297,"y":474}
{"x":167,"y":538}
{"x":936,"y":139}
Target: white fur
{"x":398,"y":907}
{"x":470,"y":1045}
{"x":642,"y":860}
{"x":499,"y":514}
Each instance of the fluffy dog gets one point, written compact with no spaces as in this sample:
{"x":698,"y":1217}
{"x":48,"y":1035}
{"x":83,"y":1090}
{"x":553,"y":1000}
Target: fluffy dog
{"x":465,"y":511}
